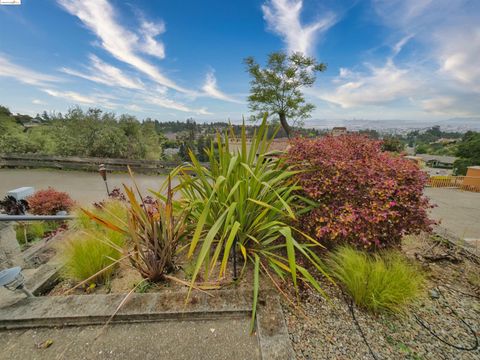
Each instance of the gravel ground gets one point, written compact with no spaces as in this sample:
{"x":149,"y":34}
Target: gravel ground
{"x":327,"y":331}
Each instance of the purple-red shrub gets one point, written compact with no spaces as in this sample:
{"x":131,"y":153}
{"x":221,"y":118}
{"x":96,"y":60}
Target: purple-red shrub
{"x":365,"y":197}
{"x":49,"y":202}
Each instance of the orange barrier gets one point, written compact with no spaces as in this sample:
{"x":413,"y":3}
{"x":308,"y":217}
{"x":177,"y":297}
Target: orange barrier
{"x":467,"y":183}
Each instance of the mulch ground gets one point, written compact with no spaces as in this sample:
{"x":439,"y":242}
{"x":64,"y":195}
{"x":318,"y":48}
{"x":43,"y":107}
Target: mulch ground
{"x":450,"y":308}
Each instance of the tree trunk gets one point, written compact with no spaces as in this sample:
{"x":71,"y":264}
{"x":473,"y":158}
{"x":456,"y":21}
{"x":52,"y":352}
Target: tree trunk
{"x":284,"y":123}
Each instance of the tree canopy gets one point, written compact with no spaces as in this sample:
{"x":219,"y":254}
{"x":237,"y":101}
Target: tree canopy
{"x":468,"y":152}
{"x":277,"y":88}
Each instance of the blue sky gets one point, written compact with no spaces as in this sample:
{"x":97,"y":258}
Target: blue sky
{"x":170,"y":60}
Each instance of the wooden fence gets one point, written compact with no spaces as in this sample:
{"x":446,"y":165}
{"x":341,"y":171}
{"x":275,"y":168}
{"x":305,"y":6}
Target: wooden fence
{"x":86,"y":164}
{"x":468,"y":183}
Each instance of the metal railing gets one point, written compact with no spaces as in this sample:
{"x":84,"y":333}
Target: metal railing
{"x":36,"y":217}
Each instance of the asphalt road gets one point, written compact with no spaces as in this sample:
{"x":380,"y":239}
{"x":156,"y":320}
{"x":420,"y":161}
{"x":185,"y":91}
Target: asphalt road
{"x":83,"y":187}
{"x":458,"y":211}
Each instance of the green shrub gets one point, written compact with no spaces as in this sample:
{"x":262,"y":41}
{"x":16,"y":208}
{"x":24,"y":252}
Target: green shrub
{"x":380,"y":282}
{"x":92,"y":247}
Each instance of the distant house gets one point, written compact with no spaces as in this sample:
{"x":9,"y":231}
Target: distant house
{"x":338,"y":130}
{"x":438,"y":161}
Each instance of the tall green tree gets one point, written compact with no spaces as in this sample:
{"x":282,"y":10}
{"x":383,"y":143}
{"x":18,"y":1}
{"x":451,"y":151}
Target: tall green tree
{"x":277,"y":88}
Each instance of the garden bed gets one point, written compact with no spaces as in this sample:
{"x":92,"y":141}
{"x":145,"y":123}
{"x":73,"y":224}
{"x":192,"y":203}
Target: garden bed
{"x":125,"y":278}
{"x":328,"y":330}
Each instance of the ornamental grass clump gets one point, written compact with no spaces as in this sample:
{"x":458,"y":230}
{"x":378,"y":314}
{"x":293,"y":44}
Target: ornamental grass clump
{"x":241,"y":204}
{"x":358,"y":194}
{"x":90,"y":255}
{"x":91,"y":252}
{"x":384,"y":282}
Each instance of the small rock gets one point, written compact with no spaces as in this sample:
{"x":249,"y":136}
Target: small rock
{"x":434,"y":294}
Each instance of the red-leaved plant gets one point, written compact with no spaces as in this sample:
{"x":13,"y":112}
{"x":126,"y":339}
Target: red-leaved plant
{"x":49,"y":202}
{"x":361,"y":195}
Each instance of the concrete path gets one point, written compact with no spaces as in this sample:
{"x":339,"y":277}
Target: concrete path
{"x":458,"y":211}
{"x":172,"y":340}
{"x":83,"y":187}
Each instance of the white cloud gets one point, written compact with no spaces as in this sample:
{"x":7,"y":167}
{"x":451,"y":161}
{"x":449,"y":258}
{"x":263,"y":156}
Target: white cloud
{"x":283,"y":18}
{"x":437,"y":105}
{"x":71,"y":96}
{"x":459,"y":53}
{"x":377,"y":86}
{"x":27,"y":76}
{"x":150,"y":46}
{"x":107,"y":74}
{"x":448,"y":31}
{"x":76,"y":98}
{"x":210,"y":88}
{"x":99,"y":17}
{"x":38,"y":102}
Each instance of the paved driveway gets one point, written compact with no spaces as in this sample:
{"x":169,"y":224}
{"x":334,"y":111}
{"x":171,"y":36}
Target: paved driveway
{"x":458,"y":211}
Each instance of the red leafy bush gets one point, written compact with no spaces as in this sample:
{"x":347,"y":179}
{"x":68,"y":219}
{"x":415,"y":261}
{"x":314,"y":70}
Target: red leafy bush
{"x":49,"y":202}
{"x":363,"y":196}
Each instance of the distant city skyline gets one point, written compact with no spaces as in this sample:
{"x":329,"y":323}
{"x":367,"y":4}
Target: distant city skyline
{"x":387,"y":59}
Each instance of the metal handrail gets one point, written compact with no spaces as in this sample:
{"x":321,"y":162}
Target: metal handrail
{"x":35,"y":217}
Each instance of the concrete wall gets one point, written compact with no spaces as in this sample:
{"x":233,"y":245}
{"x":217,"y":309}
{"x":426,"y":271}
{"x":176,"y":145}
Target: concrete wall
{"x":10,"y":252}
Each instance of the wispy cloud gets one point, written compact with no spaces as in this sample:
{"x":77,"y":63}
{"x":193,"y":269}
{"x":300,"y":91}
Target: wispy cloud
{"x":106,"y":74}
{"x":210,"y":88}
{"x":100,"y":18}
{"x":72,"y":96}
{"x":38,"y":102}
{"x":164,"y":102}
{"x":77,"y":98}
{"x":20,"y":73}
{"x":283,"y":17}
